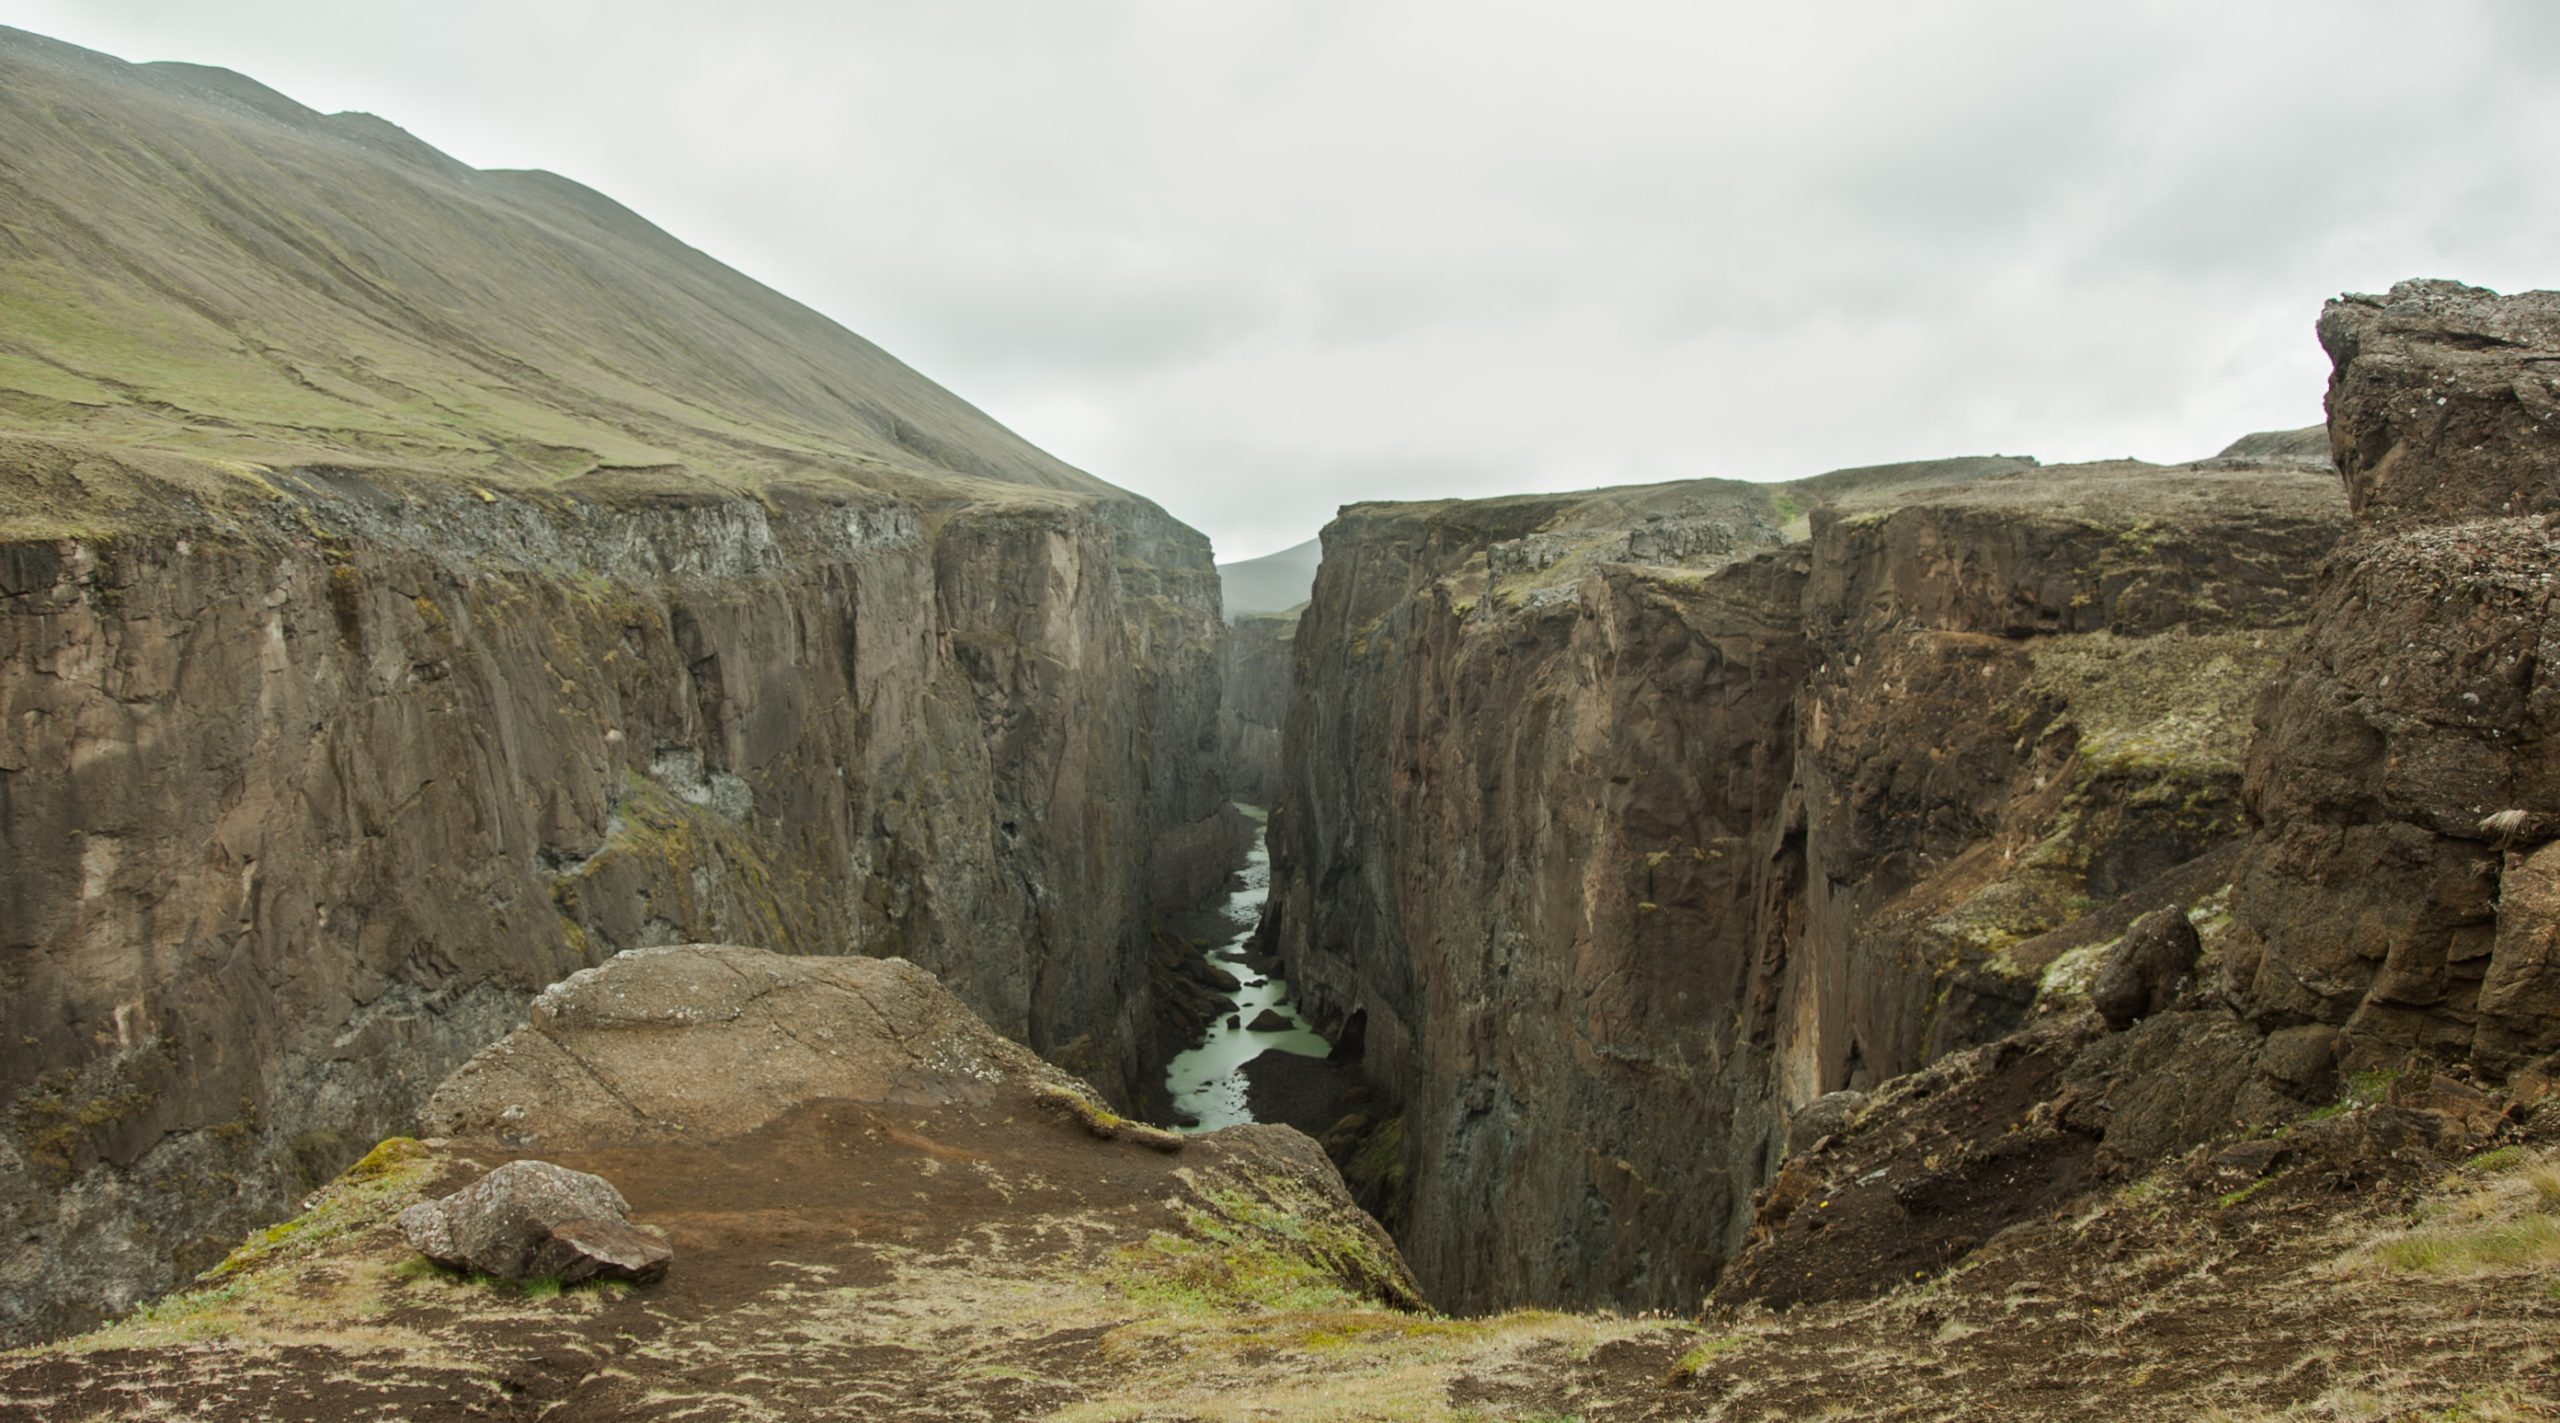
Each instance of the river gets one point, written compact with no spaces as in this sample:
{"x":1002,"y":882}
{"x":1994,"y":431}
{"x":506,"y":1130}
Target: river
{"x":1207,"y":1083}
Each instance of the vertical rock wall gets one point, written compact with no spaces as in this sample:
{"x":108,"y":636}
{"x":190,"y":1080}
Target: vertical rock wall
{"x":1256,"y":704}
{"x":301,"y":807}
{"x":1616,"y":829}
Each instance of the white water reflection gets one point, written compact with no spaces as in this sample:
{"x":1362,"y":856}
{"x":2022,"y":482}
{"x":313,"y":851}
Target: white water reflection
{"x":1207,"y":1083}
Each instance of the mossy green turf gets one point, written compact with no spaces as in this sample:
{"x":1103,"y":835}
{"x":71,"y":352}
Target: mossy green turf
{"x":195,"y":267}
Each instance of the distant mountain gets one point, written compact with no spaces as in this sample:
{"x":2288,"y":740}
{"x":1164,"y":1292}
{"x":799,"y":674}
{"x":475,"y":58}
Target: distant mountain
{"x":1273,"y":583}
{"x":193,"y":264}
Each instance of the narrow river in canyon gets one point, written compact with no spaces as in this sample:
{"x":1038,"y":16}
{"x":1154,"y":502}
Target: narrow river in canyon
{"x":1207,"y":1083}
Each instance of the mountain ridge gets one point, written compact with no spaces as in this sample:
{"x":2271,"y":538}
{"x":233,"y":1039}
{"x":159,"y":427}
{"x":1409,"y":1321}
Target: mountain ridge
{"x":196,"y":265}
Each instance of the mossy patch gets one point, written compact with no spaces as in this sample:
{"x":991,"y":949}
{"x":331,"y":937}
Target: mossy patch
{"x":1697,"y":1356}
{"x":1101,"y":1122}
{"x":1273,"y":1246}
{"x":63,"y":1116}
{"x":378,"y":1186}
{"x":2150,"y":705}
{"x":2479,"y":1222}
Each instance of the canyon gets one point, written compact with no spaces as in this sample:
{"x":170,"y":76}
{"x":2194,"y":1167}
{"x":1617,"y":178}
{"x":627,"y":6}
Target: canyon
{"x":1605,"y":811}
{"x":1927,"y":939}
{"x":1611,"y":811}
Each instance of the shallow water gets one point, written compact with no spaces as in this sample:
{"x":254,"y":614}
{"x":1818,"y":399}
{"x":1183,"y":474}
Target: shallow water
{"x":1207,"y":1082}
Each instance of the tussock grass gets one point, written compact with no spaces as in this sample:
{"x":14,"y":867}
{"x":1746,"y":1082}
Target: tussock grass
{"x":2502,"y":1213}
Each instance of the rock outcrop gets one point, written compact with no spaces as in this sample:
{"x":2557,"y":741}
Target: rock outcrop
{"x":418,"y":584}
{"x":1617,"y":827}
{"x":709,"y":1041}
{"x":2400,"y":887}
{"x":2147,"y":969}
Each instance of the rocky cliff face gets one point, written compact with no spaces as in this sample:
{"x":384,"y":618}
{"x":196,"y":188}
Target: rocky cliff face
{"x":1256,"y":703}
{"x":2402,"y":886}
{"x":1617,"y":828}
{"x":418,"y":583}
{"x":298,"y":806}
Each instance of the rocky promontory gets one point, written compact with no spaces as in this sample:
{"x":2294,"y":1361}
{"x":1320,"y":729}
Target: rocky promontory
{"x":879,"y":1207}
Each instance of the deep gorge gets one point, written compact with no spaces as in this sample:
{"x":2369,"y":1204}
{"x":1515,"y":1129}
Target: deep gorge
{"x":1628,"y":826}
{"x":1698,"y":898}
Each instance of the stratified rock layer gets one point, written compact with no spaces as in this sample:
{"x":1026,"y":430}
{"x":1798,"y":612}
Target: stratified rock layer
{"x":2405,"y":773}
{"x":1617,"y":827}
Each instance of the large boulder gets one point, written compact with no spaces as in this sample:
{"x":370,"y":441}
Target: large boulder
{"x":532,"y":1219}
{"x":707,"y":1041}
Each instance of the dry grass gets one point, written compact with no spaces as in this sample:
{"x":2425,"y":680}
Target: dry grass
{"x":2402,"y":1399}
{"x":2500,"y":1213}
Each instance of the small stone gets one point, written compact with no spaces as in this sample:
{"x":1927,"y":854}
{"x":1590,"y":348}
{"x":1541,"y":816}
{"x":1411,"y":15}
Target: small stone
{"x":1823,"y":1117}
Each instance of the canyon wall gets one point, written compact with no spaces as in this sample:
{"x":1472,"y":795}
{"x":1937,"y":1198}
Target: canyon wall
{"x":1618,"y":827}
{"x":1256,"y":704}
{"x":301,"y":806}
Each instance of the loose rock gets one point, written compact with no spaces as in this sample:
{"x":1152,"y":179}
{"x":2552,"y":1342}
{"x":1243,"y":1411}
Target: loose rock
{"x":532,"y":1219}
{"x":2146,"y":968}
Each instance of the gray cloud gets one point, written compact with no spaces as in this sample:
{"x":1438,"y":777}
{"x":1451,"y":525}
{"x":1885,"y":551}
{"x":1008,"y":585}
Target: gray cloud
{"x":1262,"y":257}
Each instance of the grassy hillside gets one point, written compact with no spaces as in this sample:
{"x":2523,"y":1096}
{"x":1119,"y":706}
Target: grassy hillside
{"x":193,"y":265}
{"x":1273,"y":583}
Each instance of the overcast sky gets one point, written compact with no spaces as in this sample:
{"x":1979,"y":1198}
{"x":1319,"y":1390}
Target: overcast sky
{"x":1256,"y":260}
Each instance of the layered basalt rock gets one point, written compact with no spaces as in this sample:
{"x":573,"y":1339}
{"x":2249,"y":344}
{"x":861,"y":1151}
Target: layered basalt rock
{"x":1610,"y":865}
{"x":2404,"y":772}
{"x":297,"y":808}
{"x":2030,"y":699}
